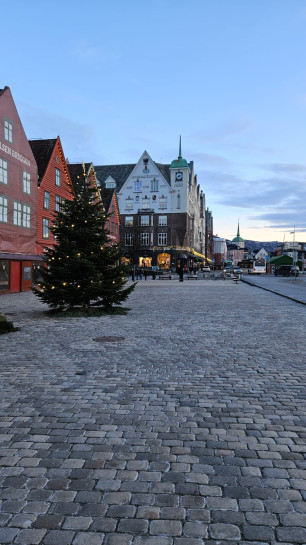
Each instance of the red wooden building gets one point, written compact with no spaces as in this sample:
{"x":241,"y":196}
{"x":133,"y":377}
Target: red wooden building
{"x":54,"y":187}
{"x":18,"y":200}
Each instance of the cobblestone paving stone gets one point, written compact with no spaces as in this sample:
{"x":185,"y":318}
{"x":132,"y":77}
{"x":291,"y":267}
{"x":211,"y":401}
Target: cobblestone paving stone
{"x":188,"y":428}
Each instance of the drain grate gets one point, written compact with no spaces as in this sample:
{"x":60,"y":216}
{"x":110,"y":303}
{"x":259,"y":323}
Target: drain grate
{"x":109,"y":339}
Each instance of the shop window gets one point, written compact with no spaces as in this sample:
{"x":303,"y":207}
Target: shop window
{"x":145,"y":262}
{"x":4,"y":274}
{"x":27,"y":273}
{"x":3,"y":171}
{"x":163,"y":261}
{"x":26,"y":182}
{"x":3,"y":209}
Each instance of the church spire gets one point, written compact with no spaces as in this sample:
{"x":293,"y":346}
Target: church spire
{"x":238,"y":230}
{"x":179,"y":162}
{"x":180,"y":149}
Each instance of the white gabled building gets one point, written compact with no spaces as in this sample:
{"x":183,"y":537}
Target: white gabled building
{"x":162,"y":211}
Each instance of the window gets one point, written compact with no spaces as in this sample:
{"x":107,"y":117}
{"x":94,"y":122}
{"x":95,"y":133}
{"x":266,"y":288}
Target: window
{"x":57,"y":177}
{"x":26,"y":182}
{"x":145,"y":203}
{"x":163,"y":202}
{"x":128,"y":239}
{"x":162,"y":220}
{"x":145,"y":239}
{"x":26,"y":216}
{"x":162,"y":239}
{"x":57,"y":203}
{"x":137,"y":185}
{"x":128,"y":204}
{"x":3,"y":171}
{"x":129,"y":221}
{"x":8,"y":130}
{"x":46,"y":200}
{"x":17,"y":213}
{"x":178,"y":201}
{"x":154,"y":185}
{"x":3,"y":209}
{"x":144,"y":221}
{"x":45,"y":228}
{"x":4,"y":274}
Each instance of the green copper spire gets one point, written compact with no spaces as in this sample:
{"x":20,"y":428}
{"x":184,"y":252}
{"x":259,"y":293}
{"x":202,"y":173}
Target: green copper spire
{"x":179,"y":162}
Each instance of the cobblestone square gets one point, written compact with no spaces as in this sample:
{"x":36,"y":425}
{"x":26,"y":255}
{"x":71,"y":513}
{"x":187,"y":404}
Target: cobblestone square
{"x":187,"y":427}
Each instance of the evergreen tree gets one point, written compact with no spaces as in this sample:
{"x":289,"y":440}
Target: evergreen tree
{"x":82,"y":269}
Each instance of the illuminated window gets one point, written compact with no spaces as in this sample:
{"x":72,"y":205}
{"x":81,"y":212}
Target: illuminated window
{"x":3,"y":171}
{"x":46,"y":228}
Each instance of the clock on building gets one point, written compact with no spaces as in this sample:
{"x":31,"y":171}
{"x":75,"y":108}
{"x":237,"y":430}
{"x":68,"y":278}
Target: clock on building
{"x":179,"y":176}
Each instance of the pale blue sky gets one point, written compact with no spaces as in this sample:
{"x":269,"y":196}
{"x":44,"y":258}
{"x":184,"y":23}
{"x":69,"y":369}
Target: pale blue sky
{"x":115,"y":78}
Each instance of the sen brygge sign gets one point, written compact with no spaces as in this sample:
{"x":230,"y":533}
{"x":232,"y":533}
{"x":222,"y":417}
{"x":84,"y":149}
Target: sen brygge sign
{"x":14,"y":154}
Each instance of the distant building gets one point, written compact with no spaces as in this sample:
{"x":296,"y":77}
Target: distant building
{"x":18,"y":200}
{"x":238,"y":240}
{"x":162,"y":212}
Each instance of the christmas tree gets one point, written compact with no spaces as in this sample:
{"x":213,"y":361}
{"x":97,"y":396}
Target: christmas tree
{"x":83,"y":269}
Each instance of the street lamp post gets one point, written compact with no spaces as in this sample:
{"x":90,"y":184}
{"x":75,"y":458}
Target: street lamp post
{"x":182,"y":257}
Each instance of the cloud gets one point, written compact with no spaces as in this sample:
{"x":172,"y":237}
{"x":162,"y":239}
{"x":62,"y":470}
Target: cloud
{"x":286,"y":168}
{"x":224,"y":131}
{"x":209,"y":159}
{"x":93,"y":55}
{"x":78,"y":139}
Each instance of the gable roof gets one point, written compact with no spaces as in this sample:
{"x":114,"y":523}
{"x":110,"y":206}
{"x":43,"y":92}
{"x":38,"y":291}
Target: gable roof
{"x":42,"y":151}
{"x":119,"y":173}
{"x":107,"y":197}
{"x":76,"y":169}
